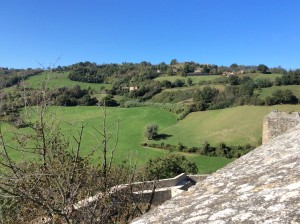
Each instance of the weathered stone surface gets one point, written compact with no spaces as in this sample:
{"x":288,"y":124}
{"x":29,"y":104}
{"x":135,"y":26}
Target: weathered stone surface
{"x":276,"y":123}
{"x":260,"y":187}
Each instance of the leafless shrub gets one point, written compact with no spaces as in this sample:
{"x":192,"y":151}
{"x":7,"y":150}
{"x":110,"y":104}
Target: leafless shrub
{"x":54,"y":177}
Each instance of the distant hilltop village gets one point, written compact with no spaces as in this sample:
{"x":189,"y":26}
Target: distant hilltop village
{"x":260,"y":187}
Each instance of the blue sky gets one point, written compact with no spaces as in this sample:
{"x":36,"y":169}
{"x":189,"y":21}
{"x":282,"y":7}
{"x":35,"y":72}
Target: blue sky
{"x":219,"y":32}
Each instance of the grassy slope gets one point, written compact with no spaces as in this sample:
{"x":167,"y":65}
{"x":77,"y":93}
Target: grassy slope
{"x":268,"y":91}
{"x":57,"y":80}
{"x":234,"y":126}
{"x":131,"y":135}
{"x":195,"y":79}
{"x":255,"y":76}
{"x":238,"y":125}
{"x":161,"y":96}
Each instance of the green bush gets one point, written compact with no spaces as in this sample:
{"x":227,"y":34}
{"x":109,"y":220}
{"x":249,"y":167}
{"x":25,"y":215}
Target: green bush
{"x":151,"y":131}
{"x":169,"y":166}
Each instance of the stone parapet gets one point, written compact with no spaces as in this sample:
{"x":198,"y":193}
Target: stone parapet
{"x":276,"y":123}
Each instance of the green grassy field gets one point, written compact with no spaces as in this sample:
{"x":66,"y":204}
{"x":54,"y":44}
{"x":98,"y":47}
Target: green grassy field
{"x":255,"y":76}
{"x":234,"y":126}
{"x":58,"y":80}
{"x":195,"y":79}
{"x":132,"y":123}
{"x":268,"y":91}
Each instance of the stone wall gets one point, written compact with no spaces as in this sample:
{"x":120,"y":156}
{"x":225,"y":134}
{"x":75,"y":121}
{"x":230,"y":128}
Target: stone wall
{"x":276,"y":123}
{"x":165,"y":188}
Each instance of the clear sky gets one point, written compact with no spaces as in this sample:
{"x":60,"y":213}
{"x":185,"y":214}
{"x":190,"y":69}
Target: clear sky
{"x":219,"y":32}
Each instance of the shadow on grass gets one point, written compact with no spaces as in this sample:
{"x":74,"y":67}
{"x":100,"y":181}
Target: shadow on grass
{"x":162,"y":136}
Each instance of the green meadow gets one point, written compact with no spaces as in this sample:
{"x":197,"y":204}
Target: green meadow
{"x":233,"y":126}
{"x":132,"y":123}
{"x":55,"y":80}
{"x":255,"y":76}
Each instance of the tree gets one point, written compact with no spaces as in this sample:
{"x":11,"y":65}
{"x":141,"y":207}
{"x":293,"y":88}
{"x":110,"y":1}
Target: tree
{"x":178,"y":83}
{"x":203,"y":98}
{"x":162,"y":67}
{"x":234,"y":80}
{"x":173,"y":62}
{"x":205,"y":69}
{"x":188,"y":67}
{"x":262,"y":68}
{"x":169,"y":71}
{"x":168,"y":166}
{"x":108,"y":101}
{"x":234,"y":67}
{"x":283,"y":97}
{"x":151,"y":131}
{"x":166,"y":83}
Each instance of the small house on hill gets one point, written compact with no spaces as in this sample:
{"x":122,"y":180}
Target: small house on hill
{"x":132,"y":88}
{"x":227,"y":74}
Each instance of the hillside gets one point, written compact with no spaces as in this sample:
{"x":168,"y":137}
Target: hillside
{"x":263,"y":93}
{"x":233,"y":126}
{"x":193,"y":104}
{"x":55,"y":80}
{"x":132,"y":123}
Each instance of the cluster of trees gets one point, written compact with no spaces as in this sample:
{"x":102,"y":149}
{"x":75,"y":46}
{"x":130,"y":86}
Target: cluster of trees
{"x":142,"y":74}
{"x":108,"y":101}
{"x":240,"y":92}
{"x":177,"y":83}
{"x":9,"y":107}
{"x":145,"y":91}
{"x":12,"y":102}
{"x":251,"y":69}
{"x":10,"y":77}
{"x":281,"y":97}
{"x":72,"y":97}
{"x":292,"y":78}
{"x":93,"y":73}
{"x":222,"y":150}
{"x":87,"y":74}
